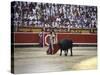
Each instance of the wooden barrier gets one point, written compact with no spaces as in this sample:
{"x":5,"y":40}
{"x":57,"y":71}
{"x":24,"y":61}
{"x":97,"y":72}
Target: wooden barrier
{"x":31,"y":38}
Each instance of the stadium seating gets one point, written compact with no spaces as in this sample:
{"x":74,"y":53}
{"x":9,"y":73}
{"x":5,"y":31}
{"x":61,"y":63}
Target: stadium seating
{"x":53,"y":15}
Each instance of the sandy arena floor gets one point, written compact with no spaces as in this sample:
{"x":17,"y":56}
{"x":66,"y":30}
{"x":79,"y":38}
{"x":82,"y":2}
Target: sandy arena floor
{"x":35,"y":59}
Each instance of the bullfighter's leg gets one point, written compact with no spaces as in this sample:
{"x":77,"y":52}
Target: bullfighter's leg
{"x":60,"y":52}
{"x":71,"y":52}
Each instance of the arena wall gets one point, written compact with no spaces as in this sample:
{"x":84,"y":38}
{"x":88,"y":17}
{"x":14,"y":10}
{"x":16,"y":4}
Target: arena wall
{"x":33,"y":37}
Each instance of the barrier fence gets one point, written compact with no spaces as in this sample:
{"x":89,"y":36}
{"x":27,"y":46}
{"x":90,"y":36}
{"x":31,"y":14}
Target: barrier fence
{"x":31,"y":38}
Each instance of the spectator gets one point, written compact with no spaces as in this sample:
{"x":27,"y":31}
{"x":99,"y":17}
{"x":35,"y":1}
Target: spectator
{"x":78,"y":16}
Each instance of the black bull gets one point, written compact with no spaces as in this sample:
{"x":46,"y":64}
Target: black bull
{"x":63,"y":45}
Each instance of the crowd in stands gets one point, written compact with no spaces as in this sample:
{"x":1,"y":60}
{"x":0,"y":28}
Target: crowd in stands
{"x":53,"y":15}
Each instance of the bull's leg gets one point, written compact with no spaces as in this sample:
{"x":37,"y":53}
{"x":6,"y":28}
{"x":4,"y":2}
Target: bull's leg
{"x":66,"y":51}
{"x":60,"y":52}
{"x":71,"y":52}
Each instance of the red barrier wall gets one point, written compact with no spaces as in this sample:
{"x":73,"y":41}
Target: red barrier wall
{"x":30,"y":37}
{"x":21,"y":37}
{"x":79,"y":38}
